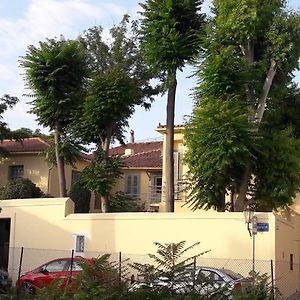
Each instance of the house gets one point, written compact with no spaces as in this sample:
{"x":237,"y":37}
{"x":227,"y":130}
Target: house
{"x":180,"y":169}
{"x":28,"y":159}
{"x":142,"y":172}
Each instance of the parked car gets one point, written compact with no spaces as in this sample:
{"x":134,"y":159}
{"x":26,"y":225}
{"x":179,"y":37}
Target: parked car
{"x":5,"y":280}
{"x":202,"y":280}
{"x":45,"y":274}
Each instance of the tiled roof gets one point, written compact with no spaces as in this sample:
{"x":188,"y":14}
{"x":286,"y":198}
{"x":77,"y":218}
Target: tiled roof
{"x":144,"y":155}
{"x":34,"y":144}
{"x":31,"y":145}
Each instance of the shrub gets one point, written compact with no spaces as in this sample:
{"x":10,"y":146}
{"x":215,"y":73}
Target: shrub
{"x":21,"y":188}
{"x":120,"y":202}
{"x":81,"y":197}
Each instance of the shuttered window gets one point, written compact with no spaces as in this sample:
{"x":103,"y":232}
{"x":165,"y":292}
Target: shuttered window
{"x":132,"y":185}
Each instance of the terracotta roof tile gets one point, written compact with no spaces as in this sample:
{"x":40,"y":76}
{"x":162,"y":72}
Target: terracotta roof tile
{"x":35,"y":144}
{"x":30,"y":145}
{"x":145,"y":155}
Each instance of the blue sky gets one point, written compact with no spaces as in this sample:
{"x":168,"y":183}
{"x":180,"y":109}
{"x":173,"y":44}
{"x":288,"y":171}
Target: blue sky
{"x":25,"y":22}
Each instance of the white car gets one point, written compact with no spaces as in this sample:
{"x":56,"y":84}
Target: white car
{"x":202,"y":280}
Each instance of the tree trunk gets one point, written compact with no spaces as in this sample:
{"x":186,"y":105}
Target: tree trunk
{"x":105,"y":147}
{"x":60,"y":165}
{"x":170,"y":143}
{"x":241,"y":201}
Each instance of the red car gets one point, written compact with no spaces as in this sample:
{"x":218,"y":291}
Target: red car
{"x":43,"y":275}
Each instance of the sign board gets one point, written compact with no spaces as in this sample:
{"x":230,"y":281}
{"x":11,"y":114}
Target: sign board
{"x":262,"y":227}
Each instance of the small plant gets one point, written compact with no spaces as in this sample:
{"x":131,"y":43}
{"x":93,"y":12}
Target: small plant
{"x":261,"y":289}
{"x":167,"y":274}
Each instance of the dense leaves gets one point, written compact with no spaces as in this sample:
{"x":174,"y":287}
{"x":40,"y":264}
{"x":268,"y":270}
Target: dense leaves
{"x":252,"y":48}
{"x":20,"y":188}
{"x":81,"y":198}
{"x":8,"y":102}
{"x":55,"y":72}
{"x":105,"y":169}
{"x":225,"y":143}
{"x":171,"y":36}
{"x":170,"y":32}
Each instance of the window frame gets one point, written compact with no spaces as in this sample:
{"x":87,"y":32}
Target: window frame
{"x":13,"y":175}
{"x":129,"y":188}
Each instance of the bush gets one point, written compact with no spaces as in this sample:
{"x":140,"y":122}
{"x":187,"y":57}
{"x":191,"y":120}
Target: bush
{"x":81,"y":197}
{"x":21,"y":188}
{"x":123,"y":203}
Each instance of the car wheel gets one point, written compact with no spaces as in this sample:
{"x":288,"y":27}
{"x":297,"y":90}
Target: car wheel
{"x":27,"y":289}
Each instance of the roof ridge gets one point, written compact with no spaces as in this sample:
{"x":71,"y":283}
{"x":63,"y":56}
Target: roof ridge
{"x":141,"y":153}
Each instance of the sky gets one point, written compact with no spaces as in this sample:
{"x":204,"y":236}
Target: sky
{"x":26,"y":22}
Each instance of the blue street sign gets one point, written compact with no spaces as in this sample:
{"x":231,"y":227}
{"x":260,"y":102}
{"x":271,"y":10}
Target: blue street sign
{"x":262,"y":227}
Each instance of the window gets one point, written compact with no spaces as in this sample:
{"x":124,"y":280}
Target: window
{"x":75,"y":266}
{"x":75,"y":177}
{"x":155,"y":188}
{"x":56,"y":266}
{"x":16,"y":172}
{"x":178,"y":176}
{"x":157,"y":183}
{"x":79,"y":246}
{"x":132,"y":185}
{"x":291,"y":262}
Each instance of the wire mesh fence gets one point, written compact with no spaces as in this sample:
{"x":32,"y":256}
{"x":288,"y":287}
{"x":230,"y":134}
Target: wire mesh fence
{"x":281,"y":274}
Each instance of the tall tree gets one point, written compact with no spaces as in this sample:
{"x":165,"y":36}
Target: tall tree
{"x":8,"y":102}
{"x":55,"y":72}
{"x":170,"y":36}
{"x":253,"y":47}
{"x":120,"y":80}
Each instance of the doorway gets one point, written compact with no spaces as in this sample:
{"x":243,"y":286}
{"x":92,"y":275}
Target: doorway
{"x":4,"y":242}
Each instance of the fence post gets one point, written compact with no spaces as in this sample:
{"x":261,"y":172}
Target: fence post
{"x":194,"y":272}
{"x":272,"y":278}
{"x":20,"y":263}
{"x":120,"y":268}
{"x":72,"y":262}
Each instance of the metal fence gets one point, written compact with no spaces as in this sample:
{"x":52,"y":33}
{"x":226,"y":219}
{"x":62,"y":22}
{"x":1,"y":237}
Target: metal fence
{"x":279,"y":273}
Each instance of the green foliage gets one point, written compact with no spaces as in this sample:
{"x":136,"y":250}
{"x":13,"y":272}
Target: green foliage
{"x":247,"y":40}
{"x":8,"y":102}
{"x":277,"y":183}
{"x":81,"y":197}
{"x":20,"y":188}
{"x":69,"y":149}
{"x":119,"y":202}
{"x":110,"y":100}
{"x":105,"y":169}
{"x":170,"y":33}
{"x":55,"y":72}
{"x":168,"y":263}
{"x":224,"y":143}
{"x":120,"y":79}
{"x":260,"y":289}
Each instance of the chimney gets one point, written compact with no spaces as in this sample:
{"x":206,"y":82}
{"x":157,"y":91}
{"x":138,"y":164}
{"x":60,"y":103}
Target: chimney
{"x":131,"y":136}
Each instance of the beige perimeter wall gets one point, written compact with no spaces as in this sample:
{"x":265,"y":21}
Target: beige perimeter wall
{"x":46,"y":229}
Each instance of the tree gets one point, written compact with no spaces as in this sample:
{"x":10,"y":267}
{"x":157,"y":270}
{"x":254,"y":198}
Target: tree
{"x":81,"y":197}
{"x":55,"y":72}
{"x":120,"y":80}
{"x":6,"y":102}
{"x":248,"y":135}
{"x":170,"y":36}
